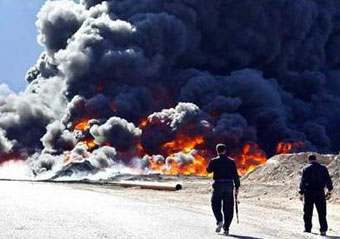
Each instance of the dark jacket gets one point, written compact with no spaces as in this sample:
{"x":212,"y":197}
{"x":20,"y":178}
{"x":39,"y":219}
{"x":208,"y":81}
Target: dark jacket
{"x":224,"y":169}
{"x":315,"y":177}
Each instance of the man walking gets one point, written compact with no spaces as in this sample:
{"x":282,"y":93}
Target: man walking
{"x":225,"y":178}
{"x":315,"y":178}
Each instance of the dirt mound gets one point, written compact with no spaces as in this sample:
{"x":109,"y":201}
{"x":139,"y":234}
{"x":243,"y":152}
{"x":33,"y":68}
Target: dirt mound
{"x":285,"y":170}
{"x":75,"y":168}
{"x":334,"y":171}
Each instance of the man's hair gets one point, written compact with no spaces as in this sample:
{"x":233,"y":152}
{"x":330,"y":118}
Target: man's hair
{"x":221,"y":148}
{"x":312,"y":157}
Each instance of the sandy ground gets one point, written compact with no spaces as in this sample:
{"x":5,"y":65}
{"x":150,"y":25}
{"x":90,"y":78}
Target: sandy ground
{"x":75,"y":210}
{"x":274,"y":210}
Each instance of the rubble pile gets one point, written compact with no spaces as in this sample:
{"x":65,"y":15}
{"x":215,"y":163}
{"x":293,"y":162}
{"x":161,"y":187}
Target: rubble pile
{"x":285,"y":169}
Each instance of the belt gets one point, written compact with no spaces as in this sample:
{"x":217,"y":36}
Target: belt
{"x":223,"y":180}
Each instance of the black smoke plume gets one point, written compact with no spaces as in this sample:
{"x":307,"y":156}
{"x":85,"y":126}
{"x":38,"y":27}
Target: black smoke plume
{"x":264,"y":71}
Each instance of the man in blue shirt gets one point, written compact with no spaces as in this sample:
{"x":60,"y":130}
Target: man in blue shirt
{"x":225,"y":178}
{"x":315,"y":178}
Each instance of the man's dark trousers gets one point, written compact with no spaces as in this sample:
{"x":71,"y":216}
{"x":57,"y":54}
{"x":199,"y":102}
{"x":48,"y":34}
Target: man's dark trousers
{"x":223,"y":192}
{"x":318,"y":199}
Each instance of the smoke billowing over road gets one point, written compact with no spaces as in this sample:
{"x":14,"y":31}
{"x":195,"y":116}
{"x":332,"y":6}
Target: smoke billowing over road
{"x":155,"y":84}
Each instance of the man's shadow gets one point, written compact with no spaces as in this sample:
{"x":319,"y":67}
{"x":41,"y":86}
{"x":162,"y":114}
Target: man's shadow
{"x":250,"y":237}
{"x":241,"y":237}
{"x":331,"y":237}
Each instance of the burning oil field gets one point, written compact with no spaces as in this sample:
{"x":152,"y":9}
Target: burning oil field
{"x":150,"y":86}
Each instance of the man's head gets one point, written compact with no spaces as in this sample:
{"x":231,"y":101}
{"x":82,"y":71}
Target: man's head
{"x":312,"y":158}
{"x":221,"y":149}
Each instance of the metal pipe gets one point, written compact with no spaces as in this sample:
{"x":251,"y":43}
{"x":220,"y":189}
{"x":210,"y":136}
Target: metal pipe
{"x":126,"y":184}
{"x":148,"y":185}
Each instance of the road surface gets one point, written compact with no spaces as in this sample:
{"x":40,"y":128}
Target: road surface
{"x":47,"y":211}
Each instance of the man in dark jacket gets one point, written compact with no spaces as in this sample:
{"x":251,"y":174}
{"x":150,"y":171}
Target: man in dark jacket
{"x":315,"y":178}
{"x":225,"y":177}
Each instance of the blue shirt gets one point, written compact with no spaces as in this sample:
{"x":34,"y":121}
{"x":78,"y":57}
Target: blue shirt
{"x":224,"y":168}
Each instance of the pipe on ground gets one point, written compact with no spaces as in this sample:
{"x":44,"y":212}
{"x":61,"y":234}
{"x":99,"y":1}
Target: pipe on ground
{"x":126,"y":184}
{"x":148,"y":185}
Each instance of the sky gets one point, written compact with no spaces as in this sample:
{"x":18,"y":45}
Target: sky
{"x":18,"y":40}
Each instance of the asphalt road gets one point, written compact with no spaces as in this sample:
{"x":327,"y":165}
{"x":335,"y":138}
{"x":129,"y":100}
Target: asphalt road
{"x":47,"y":211}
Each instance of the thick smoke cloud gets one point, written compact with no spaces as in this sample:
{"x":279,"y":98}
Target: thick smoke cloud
{"x":5,"y":144}
{"x":24,"y":116}
{"x":263,"y":71}
{"x":162,"y":127}
{"x":116,"y":132}
{"x":104,"y":157}
{"x":58,"y":138}
{"x":194,"y":52}
{"x":24,"y":121}
{"x":232,"y":128}
{"x":57,"y":22}
{"x":80,"y":108}
{"x":44,"y":68}
{"x":78,"y":162}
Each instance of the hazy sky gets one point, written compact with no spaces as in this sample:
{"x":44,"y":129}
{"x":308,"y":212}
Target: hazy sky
{"x":18,"y":40}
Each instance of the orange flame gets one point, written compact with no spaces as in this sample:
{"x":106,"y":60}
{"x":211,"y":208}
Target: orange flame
{"x":197,"y":167}
{"x":250,"y":157}
{"x":89,"y":143}
{"x":171,"y":166}
{"x":82,"y":125}
{"x":182,"y":143}
{"x":191,"y":146}
{"x":247,"y":160}
{"x":287,"y":147}
{"x":143,"y":123}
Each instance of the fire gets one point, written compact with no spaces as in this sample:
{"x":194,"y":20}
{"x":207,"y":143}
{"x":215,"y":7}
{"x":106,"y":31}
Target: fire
{"x":143,"y":123}
{"x":197,"y":167}
{"x":191,"y":148}
{"x":170,"y":166}
{"x":250,"y":157}
{"x":182,"y":143}
{"x":247,"y":159}
{"x":82,"y":125}
{"x":89,"y":143}
{"x":287,"y":147}
{"x":186,"y":145}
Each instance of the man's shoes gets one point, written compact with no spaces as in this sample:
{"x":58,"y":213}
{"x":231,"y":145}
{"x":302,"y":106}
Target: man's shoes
{"x":323,"y":234}
{"x":307,"y":231}
{"x":226,"y":232}
{"x":219,"y":227}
